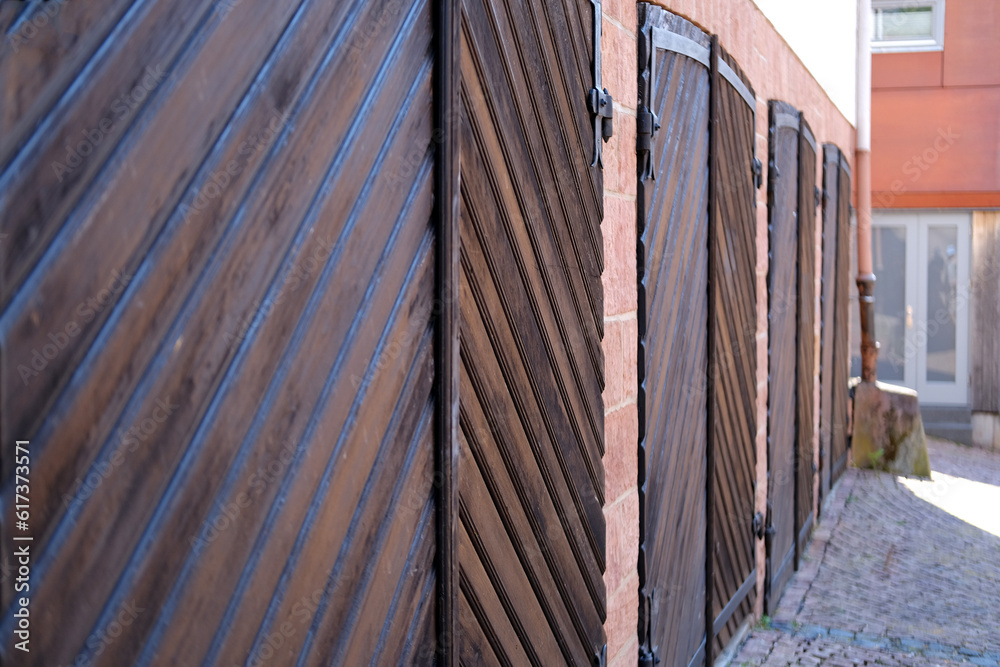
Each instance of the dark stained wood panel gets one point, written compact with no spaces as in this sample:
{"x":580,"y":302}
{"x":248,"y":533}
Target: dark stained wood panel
{"x":67,"y":133}
{"x":240,"y":440}
{"x":833,"y":307}
{"x":841,"y":349}
{"x":697,"y":355}
{"x":531,"y":550}
{"x":831,"y":161}
{"x":805,"y":372}
{"x":44,"y":50}
{"x":732,"y":352}
{"x":673,"y":347}
{"x":782,"y":352}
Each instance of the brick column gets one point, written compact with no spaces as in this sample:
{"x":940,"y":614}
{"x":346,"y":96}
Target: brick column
{"x":619,"y":62}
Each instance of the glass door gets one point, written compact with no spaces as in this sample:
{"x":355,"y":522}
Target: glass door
{"x":921,"y":265}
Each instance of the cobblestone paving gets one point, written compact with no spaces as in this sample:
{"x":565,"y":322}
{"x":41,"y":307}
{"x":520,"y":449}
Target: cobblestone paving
{"x":890,"y":578}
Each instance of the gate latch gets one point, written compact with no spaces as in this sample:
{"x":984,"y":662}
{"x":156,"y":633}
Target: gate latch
{"x":758,"y":525}
{"x":602,"y":106}
{"x":601,"y":658}
{"x":599,"y":99}
{"x":758,"y":173}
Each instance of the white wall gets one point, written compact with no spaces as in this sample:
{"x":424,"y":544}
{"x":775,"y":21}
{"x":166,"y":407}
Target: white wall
{"x":823,"y":33}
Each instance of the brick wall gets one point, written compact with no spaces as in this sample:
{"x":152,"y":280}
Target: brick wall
{"x":621,"y":425}
{"x":776,"y":73}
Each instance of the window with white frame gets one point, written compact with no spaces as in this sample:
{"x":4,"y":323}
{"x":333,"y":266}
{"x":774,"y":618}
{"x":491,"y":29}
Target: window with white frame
{"x":907,"y":25}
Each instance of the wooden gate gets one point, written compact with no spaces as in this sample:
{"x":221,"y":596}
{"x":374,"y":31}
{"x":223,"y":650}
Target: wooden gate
{"x":732,"y":452}
{"x":531,"y":544}
{"x":805,"y":374}
{"x":697,"y":322}
{"x":834,"y":300}
{"x":791,"y":221}
{"x":673,"y":334}
{"x":230,"y":322}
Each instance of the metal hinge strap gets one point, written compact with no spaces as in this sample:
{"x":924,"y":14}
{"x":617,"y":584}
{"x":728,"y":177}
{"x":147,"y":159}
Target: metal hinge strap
{"x":599,"y":100}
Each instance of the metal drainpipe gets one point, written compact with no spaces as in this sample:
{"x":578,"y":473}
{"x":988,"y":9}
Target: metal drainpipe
{"x":862,"y":162}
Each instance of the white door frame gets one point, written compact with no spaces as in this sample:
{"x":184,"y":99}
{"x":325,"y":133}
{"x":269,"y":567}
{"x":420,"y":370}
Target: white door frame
{"x":918,"y":320}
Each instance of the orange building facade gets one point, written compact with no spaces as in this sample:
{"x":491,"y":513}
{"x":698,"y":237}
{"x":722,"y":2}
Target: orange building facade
{"x":935,"y":195}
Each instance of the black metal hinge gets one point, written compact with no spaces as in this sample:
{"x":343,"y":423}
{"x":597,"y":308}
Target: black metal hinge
{"x":601,"y":658}
{"x":647,"y":659}
{"x":758,"y":173}
{"x":599,"y":100}
{"x":645,"y":133}
{"x":758,"y":525}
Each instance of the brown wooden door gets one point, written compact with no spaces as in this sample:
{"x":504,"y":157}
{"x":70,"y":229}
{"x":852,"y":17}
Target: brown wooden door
{"x":531,"y":542}
{"x":230,"y":300}
{"x":673,"y":334}
{"x":834,"y":300}
{"x":782,"y":353}
{"x":841,"y":345}
{"x":697,"y":311}
{"x":733,"y":349}
{"x":805,"y":373}
{"x":791,"y":296}
{"x":232,"y":456}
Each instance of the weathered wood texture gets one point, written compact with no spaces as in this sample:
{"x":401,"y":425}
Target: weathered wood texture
{"x":805,"y":370}
{"x":697,"y":355}
{"x":791,"y":372}
{"x":834,"y":299}
{"x":841,"y":342}
{"x":219,"y":216}
{"x":673,"y":348}
{"x":782,"y":353}
{"x":984,"y":352}
{"x":531,"y":551}
{"x":732,"y":412}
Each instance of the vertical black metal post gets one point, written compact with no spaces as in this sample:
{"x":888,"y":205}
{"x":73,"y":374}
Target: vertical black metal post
{"x":447,"y":16}
{"x":713,"y":204}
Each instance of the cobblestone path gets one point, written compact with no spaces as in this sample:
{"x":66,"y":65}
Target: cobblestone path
{"x":899,"y":572}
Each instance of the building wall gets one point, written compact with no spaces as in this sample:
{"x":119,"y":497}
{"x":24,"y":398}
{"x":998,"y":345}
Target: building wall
{"x":619,"y":60}
{"x":777,"y":73}
{"x":936,"y":144}
{"x":935,"y":135}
